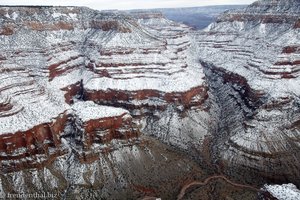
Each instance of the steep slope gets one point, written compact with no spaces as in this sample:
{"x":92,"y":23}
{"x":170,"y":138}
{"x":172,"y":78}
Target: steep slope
{"x":251,"y":61}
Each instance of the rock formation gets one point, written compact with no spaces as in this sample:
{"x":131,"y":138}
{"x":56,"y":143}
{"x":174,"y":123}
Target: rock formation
{"x":82,"y":90}
{"x":280,"y":192}
{"x":78,"y":85}
{"x":251,"y":61}
{"x":54,"y":58}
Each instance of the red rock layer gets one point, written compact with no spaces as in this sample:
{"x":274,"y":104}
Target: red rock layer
{"x":192,"y":98}
{"x":60,"y":25}
{"x":291,"y":49}
{"x":32,"y":148}
{"x":103,"y":131}
{"x":55,"y":70}
{"x":41,"y":145}
{"x":109,"y":25}
{"x":71,"y":91}
{"x":7,"y":30}
{"x":115,"y":127}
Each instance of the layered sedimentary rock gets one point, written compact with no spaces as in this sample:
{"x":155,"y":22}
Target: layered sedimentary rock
{"x":251,"y":61}
{"x":57,"y":61}
{"x":78,"y":87}
{"x":95,"y":127}
{"x":35,"y":147}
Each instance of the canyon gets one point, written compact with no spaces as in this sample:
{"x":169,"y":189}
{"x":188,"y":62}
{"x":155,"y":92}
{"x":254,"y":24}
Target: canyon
{"x":250,"y":58}
{"x":128,"y":105}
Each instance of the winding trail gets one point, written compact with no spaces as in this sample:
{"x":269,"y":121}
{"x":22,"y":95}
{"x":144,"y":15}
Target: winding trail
{"x":209,"y":179}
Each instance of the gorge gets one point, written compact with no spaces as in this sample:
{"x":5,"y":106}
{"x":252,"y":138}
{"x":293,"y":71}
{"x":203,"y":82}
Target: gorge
{"x":131,"y":105}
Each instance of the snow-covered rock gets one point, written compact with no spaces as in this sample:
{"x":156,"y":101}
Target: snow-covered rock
{"x":251,"y":60}
{"x":57,"y":62}
{"x":283,"y":192}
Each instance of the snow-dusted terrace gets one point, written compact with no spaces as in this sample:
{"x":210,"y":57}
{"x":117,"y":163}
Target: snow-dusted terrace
{"x":88,"y":110}
{"x":39,"y":64}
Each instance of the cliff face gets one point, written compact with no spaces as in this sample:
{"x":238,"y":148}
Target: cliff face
{"x":35,"y":147}
{"x":251,"y":61}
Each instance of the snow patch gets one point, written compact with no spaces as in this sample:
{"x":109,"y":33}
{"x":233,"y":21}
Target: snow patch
{"x":284,"y":192}
{"x":88,"y":110}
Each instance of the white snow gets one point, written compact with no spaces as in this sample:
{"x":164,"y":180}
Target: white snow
{"x":73,"y":16}
{"x":284,"y":192}
{"x":14,"y":15}
{"x":88,"y":110}
{"x":176,"y":83}
{"x":57,"y":15}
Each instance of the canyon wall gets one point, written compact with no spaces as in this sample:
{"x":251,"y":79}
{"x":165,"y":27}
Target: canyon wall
{"x":250,"y":58}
